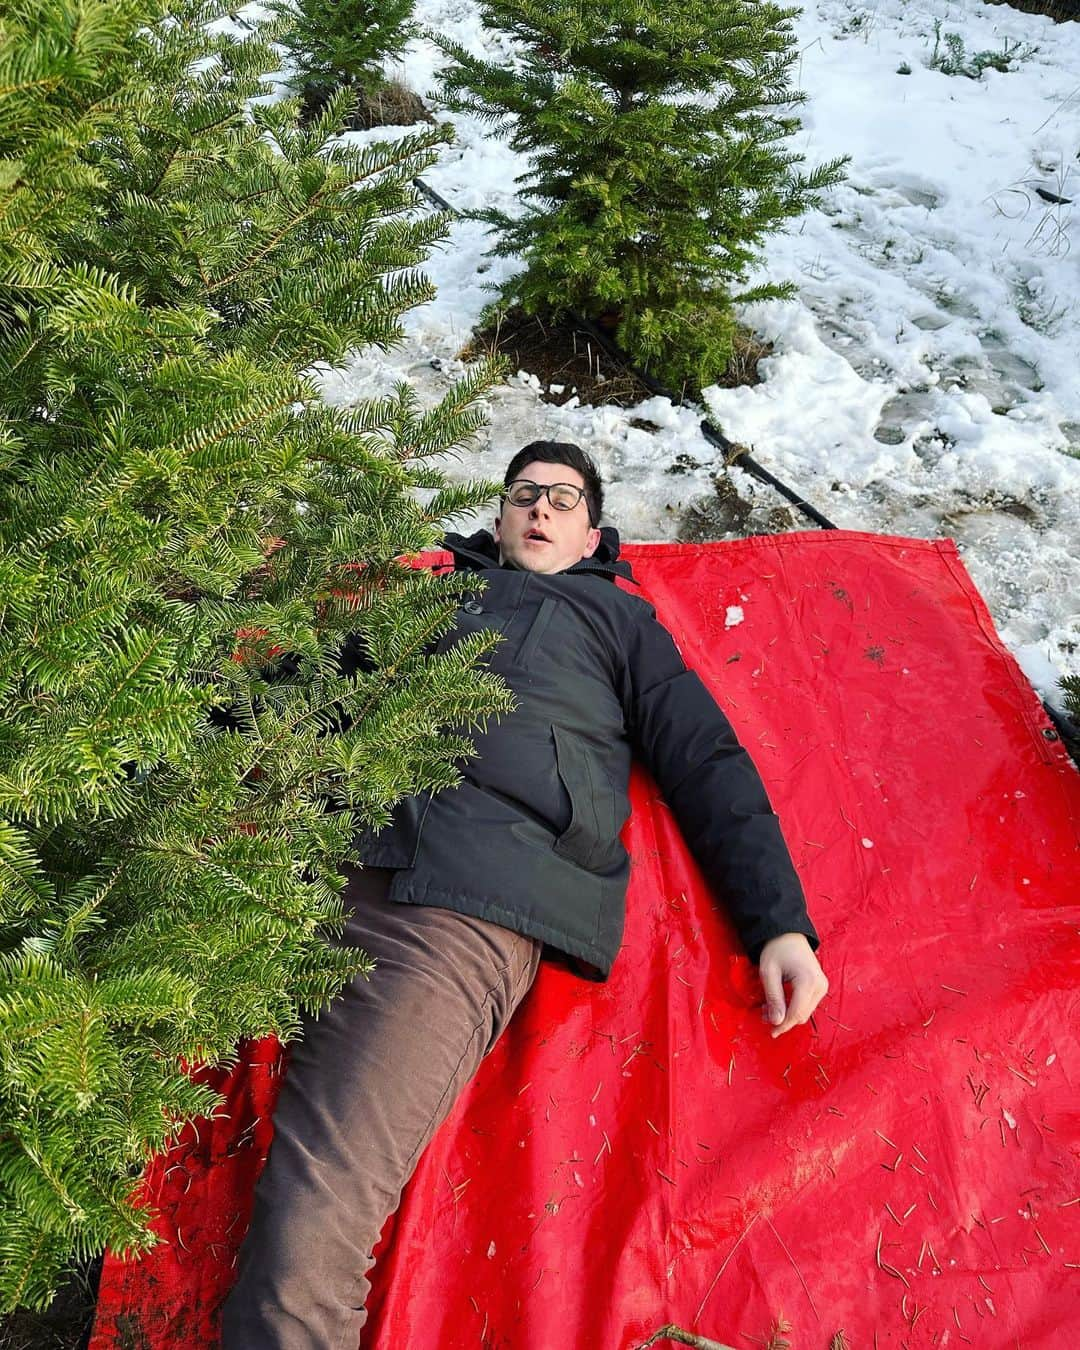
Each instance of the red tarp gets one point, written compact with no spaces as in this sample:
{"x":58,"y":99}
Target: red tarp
{"x":641,"y":1153}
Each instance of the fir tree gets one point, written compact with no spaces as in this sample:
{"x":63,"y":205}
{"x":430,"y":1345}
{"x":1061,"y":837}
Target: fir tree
{"x":660,"y":136}
{"x":1070,"y":688}
{"x":187,"y":534}
{"x":343,"y":43}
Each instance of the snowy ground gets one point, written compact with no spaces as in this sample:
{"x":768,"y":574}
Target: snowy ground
{"x":927,"y":381}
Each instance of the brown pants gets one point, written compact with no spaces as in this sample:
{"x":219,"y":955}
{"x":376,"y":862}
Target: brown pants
{"x":366,"y":1088}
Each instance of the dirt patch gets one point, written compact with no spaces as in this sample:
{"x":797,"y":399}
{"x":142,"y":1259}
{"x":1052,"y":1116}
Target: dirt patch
{"x":726,"y":514}
{"x":65,"y":1324}
{"x":743,"y":369}
{"x":989,"y":503}
{"x":391,"y":105}
{"x":713,"y":517}
{"x":569,"y":364}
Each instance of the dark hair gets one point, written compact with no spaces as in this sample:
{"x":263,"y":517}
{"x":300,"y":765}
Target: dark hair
{"x":563,"y":452}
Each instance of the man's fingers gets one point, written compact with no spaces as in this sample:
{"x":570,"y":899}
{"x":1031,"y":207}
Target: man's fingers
{"x":798,"y":1010}
{"x":773,"y":983}
{"x":806,"y":993}
{"x":789,"y":956}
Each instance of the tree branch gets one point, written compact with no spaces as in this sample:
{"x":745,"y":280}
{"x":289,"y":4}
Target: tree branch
{"x":674,"y":1333}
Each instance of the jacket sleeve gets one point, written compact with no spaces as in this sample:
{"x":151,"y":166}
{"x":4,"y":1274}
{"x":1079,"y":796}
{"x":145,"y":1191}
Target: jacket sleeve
{"x":713,"y":789}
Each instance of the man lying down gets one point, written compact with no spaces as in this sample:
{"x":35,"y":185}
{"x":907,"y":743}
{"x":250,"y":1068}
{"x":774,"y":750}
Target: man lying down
{"x":462,"y":894}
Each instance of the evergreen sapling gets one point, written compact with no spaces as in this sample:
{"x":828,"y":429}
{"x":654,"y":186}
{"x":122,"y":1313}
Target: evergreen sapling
{"x":336,"y":44}
{"x":660,"y":137}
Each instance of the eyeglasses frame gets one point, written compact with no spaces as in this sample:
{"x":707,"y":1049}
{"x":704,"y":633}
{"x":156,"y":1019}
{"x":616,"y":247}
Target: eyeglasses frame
{"x":544,"y":490}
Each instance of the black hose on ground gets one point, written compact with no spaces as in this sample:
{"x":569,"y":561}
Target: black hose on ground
{"x":1065,"y":730}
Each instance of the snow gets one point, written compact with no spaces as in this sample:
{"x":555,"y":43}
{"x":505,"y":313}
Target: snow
{"x":926,"y":380}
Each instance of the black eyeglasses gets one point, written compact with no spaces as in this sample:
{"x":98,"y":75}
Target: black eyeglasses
{"x":562,"y":496}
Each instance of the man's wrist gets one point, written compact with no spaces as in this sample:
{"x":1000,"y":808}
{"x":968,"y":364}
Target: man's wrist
{"x":810,"y":939}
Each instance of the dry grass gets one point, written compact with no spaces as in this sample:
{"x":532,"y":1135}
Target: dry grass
{"x":557,"y":355}
{"x":743,"y":368}
{"x":392,"y":105}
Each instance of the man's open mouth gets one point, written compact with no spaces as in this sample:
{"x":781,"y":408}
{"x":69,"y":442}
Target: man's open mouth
{"x":538,"y":534}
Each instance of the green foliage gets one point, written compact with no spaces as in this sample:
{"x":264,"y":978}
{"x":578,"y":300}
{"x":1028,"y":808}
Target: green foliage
{"x":334,"y":43}
{"x":660,"y":142}
{"x":951,"y":57}
{"x":187,"y":535}
{"x":1070,"y":686}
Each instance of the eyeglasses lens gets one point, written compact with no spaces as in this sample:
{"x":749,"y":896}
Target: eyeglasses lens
{"x":562,"y":496}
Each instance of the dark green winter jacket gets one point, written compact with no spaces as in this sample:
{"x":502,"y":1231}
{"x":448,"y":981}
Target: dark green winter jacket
{"x":530,"y":839}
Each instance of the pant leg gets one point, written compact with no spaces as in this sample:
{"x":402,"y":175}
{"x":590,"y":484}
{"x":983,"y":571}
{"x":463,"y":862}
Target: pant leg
{"x":366,"y":1088}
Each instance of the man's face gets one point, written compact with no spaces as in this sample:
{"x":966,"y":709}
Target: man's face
{"x":540,"y":539}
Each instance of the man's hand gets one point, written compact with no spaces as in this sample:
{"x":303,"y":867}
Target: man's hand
{"x":789,"y":958}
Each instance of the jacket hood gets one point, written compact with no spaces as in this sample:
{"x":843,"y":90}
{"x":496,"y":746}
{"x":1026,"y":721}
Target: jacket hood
{"x":479,"y":550}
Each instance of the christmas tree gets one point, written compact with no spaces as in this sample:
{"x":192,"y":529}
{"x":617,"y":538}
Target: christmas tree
{"x":343,"y":43}
{"x":660,"y":136}
{"x":187,"y":535}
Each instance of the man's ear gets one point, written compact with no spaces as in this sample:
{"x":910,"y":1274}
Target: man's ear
{"x":495,"y":532}
{"x":592,"y":543}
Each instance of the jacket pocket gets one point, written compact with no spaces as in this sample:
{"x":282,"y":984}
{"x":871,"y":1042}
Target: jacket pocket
{"x":589,"y":837}
{"x":527,"y":651}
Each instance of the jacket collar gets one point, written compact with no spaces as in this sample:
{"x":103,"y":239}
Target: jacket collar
{"x":479,"y":551}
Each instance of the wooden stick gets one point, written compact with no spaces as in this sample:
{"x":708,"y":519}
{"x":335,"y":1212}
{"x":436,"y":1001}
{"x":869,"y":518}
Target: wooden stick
{"x":674,"y":1333}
